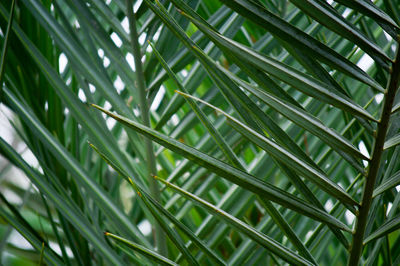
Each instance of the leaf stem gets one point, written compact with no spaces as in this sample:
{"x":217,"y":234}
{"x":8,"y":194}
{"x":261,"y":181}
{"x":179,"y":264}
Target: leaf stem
{"x":160,"y":240}
{"x":383,"y":125}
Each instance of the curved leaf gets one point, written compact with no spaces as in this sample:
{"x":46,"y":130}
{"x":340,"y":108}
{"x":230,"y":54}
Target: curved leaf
{"x":393,"y":141}
{"x":297,"y":79}
{"x":388,"y":227}
{"x":329,"y":17}
{"x":294,"y":36}
{"x":263,"y":240}
{"x":142,"y":250}
{"x":232,"y":174}
{"x":391,"y":182}
{"x":301,"y":118}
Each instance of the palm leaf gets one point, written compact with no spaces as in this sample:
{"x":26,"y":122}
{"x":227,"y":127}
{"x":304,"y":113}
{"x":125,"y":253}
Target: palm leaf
{"x":286,"y":136}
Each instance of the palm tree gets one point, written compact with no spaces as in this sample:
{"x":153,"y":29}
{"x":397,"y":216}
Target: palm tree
{"x":236,"y":132}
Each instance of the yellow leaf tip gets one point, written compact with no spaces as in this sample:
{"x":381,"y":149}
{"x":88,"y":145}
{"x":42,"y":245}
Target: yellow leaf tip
{"x":181,"y":93}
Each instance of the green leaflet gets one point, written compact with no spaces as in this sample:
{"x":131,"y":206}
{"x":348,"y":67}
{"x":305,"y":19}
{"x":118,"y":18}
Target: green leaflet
{"x":291,"y":34}
{"x":230,"y":173}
